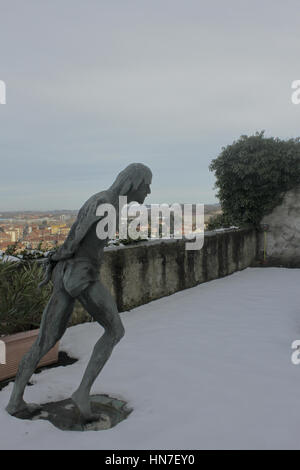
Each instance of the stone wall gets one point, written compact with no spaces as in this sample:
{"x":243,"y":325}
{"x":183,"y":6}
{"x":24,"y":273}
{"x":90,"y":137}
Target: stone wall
{"x":137,"y":274}
{"x":283,"y":234}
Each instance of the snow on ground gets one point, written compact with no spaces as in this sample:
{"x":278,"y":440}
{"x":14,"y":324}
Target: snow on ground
{"x":206,"y":368}
{"x":5,"y":258}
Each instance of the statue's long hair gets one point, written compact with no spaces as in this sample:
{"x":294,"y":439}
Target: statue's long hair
{"x":131,"y":178}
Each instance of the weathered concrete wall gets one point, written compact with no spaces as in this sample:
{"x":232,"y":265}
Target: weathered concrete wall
{"x":283,"y":235}
{"x":137,"y":274}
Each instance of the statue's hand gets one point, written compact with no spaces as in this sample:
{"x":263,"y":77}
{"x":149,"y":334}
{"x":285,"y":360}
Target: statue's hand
{"x":51,"y":258}
{"x":59,"y":256}
{"x":49,"y":268}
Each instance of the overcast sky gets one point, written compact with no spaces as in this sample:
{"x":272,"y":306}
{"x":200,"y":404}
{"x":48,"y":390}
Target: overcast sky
{"x":94,"y":85}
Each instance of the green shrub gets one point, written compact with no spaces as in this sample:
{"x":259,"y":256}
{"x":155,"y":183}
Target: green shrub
{"x":253,"y":174}
{"x":21,"y":302}
{"x":217,"y":221}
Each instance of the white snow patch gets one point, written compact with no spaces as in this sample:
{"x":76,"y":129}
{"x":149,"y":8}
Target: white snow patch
{"x":205,"y":368}
{"x":5,"y":258}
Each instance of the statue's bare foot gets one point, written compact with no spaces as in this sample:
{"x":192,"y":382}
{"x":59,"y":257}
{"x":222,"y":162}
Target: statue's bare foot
{"x":83,"y":404}
{"x":21,"y":406}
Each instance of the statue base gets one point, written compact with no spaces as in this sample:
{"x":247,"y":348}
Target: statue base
{"x":65,"y":415}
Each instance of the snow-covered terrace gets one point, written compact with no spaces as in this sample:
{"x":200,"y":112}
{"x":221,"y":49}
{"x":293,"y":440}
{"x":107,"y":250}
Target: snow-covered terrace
{"x":206,"y":368}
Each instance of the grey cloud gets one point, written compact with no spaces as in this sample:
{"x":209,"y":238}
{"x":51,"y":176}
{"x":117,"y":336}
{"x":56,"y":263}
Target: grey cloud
{"x":92,"y":86}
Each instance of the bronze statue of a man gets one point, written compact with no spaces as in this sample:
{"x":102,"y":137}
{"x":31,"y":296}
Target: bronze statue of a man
{"x":74,"y":269}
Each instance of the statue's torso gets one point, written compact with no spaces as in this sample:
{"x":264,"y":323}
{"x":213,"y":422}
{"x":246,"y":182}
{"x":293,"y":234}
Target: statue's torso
{"x":83,"y":266}
{"x":91,"y":247}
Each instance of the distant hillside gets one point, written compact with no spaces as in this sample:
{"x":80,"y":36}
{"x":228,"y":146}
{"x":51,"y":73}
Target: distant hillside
{"x":212,"y":208}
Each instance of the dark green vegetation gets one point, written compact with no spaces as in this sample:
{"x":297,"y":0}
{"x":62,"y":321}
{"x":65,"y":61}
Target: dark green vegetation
{"x":252,"y":175}
{"x":21,"y":301}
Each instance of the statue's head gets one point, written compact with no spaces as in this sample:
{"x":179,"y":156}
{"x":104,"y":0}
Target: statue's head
{"x":134,"y":182}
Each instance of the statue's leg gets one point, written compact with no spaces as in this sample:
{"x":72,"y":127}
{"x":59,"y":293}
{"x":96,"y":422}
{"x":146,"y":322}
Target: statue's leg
{"x":101,"y":306}
{"x":53,"y":325}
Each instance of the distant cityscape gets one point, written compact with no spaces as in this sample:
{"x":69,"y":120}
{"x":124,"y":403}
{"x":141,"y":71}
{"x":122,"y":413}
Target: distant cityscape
{"x":33,"y":230}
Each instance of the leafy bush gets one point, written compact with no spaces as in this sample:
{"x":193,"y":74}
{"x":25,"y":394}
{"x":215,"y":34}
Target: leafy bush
{"x":253,"y":174}
{"x":21,"y":302}
{"x":217,"y":221}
